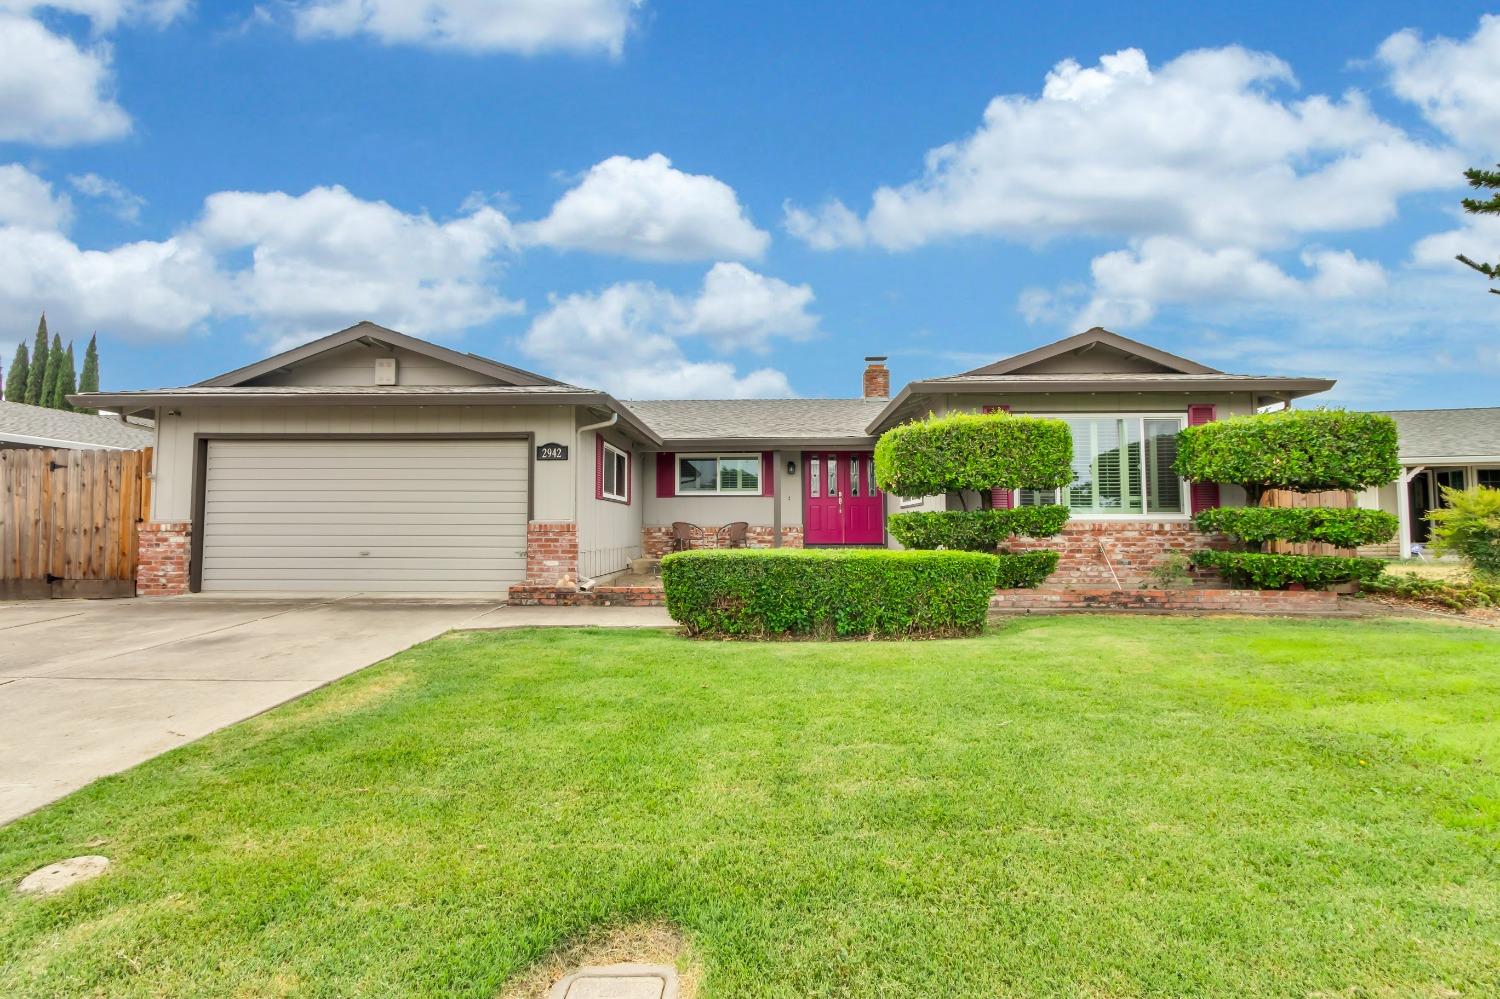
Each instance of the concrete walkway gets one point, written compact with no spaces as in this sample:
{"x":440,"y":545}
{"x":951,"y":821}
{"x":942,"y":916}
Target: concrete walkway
{"x":89,"y":688}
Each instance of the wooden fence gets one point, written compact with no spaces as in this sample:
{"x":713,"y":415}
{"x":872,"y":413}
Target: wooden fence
{"x":68,"y":521}
{"x":1337,"y":498}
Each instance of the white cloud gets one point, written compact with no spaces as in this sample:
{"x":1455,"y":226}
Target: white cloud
{"x":122,"y":202}
{"x":630,"y":338}
{"x":1456,"y":84}
{"x":521,"y":26}
{"x":1201,"y":148}
{"x":106,"y":14}
{"x":649,"y":210}
{"x":52,"y":92}
{"x":27,"y":200}
{"x":1475,"y":236}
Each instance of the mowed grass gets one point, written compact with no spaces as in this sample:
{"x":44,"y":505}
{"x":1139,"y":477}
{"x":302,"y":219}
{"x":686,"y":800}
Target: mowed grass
{"x":1064,"y":807}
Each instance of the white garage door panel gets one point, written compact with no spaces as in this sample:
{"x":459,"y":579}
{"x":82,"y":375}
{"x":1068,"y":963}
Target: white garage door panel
{"x":339,"y":516}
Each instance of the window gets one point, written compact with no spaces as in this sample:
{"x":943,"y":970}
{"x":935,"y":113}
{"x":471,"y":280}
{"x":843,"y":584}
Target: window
{"x":1122,"y":466}
{"x":1488,"y":477}
{"x":616,"y":482}
{"x":710,"y":474}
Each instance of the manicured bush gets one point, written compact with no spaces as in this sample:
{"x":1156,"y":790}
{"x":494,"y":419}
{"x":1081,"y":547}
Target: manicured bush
{"x":1304,"y":449}
{"x":850,"y":593}
{"x":970,"y":452}
{"x":975,"y":530}
{"x":1268,"y":571}
{"x":1025,"y":570}
{"x":1454,"y":594}
{"x":1342,"y":528}
{"x":1469,"y":527}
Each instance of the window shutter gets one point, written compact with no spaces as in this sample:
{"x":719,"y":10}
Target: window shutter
{"x":1204,"y":495}
{"x":629,"y":477}
{"x":666,"y":474}
{"x":768,"y":473}
{"x":1000,"y":499}
{"x":598,"y":466}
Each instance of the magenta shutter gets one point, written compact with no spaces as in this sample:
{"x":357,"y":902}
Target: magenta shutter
{"x":666,"y":474}
{"x":1000,"y":499}
{"x":1204,"y":495}
{"x":598,"y":466}
{"x":768,"y":473}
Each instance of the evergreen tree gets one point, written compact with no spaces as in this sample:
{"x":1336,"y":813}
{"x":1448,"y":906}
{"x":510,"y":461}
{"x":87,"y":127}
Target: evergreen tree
{"x":88,"y":381}
{"x":20,"y":370}
{"x":55,"y":361}
{"x":36,"y":378}
{"x":67,"y":381}
{"x":1487,"y":180}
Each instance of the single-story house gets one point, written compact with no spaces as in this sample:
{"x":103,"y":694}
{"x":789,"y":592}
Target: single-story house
{"x":370,"y":460}
{"x":24,"y":426}
{"x":1440,"y":449}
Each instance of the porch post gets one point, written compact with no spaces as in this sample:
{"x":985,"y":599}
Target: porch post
{"x":1403,"y":507}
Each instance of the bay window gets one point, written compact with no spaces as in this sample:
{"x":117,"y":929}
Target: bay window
{"x":1122,"y":466}
{"x":711,"y":474}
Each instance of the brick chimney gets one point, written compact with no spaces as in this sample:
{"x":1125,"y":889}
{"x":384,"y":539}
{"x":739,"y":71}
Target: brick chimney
{"x":877,"y":379}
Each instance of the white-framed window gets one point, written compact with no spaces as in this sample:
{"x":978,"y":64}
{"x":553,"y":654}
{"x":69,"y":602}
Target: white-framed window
{"x":1122,"y":467}
{"x":616,"y":485}
{"x":907,"y":502}
{"x":716,"y":474}
{"x":1488,"y":477}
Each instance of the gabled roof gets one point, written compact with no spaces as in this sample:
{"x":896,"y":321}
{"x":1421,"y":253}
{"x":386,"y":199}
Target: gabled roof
{"x":370,"y":332}
{"x":40,"y":427}
{"x":1428,"y":435}
{"x":687,"y":423}
{"x":1088,"y":339}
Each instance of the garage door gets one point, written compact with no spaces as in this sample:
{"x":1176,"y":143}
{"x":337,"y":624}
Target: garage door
{"x":352,"y":515}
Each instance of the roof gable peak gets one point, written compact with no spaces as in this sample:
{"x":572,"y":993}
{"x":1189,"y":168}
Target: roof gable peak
{"x":1072,"y":355}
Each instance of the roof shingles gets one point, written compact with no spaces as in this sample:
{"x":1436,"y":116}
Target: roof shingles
{"x":37,"y":425}
{"x":1448,"y":433}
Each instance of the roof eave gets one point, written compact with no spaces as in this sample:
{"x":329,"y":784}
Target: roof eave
{"x":763,"y":443}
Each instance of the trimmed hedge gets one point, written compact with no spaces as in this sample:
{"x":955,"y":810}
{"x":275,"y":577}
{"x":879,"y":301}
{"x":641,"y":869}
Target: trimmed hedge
{"x":1025,"y":570}
{"x":1301,"y":449}
{"x":975,"y":530}
{"x":1342,"y":528}
{"x":856,"y":593}
{"x":1274,"y":572}
{"x":970,"y":452}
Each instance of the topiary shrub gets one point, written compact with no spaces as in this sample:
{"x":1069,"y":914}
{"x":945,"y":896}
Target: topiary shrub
{"x":1469,"y":527}
{"x":1024,"y":570}
{"x":1342,"y":528}
{"x":975,"y":453}
{"x":975,"y":530}
{"x":1268,"y":571}
{"x":1301,"y":449}
{"x":849,"y":593}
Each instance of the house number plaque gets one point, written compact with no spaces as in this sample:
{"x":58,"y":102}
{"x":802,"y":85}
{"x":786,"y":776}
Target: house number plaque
{"x":552,"y":452}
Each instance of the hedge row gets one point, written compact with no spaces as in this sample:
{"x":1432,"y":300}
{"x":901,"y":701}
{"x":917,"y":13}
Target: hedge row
{"x":969,"y":452}
{"x":1302,"y":449}
{"x":860,"y":593}
{"x":975,"y":530}
{"x":1342,"y":528}
{"x":1274,"y":572}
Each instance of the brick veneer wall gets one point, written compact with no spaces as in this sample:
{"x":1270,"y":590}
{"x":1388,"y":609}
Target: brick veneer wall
{"x":528,"y":595}
{"x":551,"y":552}
{"x":1133,"y":547}
{"x":1210,"y":601}
{"x":162,"y":553}
{"x":657,"y":541}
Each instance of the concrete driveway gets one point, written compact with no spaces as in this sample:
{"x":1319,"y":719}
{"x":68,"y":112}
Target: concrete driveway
{"x":89,"y":688}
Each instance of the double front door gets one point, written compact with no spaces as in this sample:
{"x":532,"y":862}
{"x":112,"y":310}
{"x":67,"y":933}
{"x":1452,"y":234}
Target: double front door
{"x":841,"y":505}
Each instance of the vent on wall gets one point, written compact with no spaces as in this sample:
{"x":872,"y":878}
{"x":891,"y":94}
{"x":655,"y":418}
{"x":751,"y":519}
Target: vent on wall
{"x":385,"y":371}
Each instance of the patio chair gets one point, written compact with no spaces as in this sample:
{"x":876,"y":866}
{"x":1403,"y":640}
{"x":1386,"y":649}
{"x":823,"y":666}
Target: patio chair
{"x":684,"y":534}
{"x":734,"y":535}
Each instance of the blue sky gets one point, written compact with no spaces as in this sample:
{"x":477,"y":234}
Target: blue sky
{"x":716,"y":199}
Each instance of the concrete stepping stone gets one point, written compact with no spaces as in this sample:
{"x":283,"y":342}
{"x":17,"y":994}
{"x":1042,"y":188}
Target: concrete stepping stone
{"x":63,"y":874}
{"x":619,"y":981}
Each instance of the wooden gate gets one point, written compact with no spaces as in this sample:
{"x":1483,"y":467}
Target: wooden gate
{"x":68,"y":521}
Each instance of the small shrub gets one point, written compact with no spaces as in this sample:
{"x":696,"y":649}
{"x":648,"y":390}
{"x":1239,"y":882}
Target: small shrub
{"x":969,"y":452}
{"x":975,"y":530}
{"x":1347,"y":528}
{"x":1274,"y":572}
{"x":1454,"y":594}
{"x":1173,"y":572}
{"x":1469,"y":527}
{"x":1025,"y":570}
{"x":1301,"y":449}
{"x":859,"y":593}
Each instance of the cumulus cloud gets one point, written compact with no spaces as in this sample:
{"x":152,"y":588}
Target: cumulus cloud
{"x":122,"y":202}
{"x":1452,"y":82}
{"x":27,"y":200}
{"x":52,"y":92}
{"x":630,"y":337}
{"x":520,"y":26}
{"x":1204,"y":147}
{"x":649,"y":210}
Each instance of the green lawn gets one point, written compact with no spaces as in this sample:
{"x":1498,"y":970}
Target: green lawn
{"x":1091,"y":806}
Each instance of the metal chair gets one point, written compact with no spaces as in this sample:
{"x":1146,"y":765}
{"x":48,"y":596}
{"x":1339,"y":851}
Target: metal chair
{"x":684,"y":534}
{"x":734,"y":535}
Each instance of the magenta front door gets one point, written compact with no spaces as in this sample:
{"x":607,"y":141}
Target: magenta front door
{"x":841,"y":505}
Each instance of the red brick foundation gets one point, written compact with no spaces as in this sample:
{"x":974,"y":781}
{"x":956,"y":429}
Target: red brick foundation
{"x":1132,"y":547}
{"x":657,"y":541}
{"x":162,"y":553}
{"x":551,"y":553}
{"x":528,"y":595}
{"x":1202,"y":601}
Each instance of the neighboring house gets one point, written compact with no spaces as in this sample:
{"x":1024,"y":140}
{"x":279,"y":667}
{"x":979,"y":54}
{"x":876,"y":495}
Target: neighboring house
{"x":23,"y":426}
{"x":1440,"y":449}
{"x":370,"y":460}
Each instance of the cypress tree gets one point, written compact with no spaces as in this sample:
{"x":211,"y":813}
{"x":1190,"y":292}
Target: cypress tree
{"x":67,"y":381}
{"x":36,"y":378}
{"x":20,"y":370}
{"x":55,"y":362}
{"x":88,"y":380}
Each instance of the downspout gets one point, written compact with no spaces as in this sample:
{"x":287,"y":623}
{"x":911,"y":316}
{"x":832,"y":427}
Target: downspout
{"x":614,"y":417}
